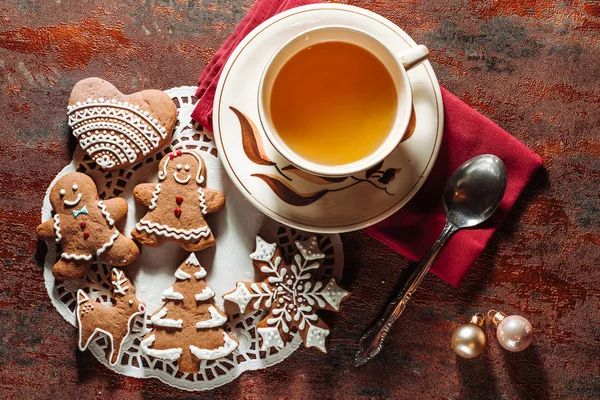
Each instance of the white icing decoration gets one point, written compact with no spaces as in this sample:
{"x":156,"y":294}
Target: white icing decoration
{"x":206,"y":294}
{"x":171,"y":294}
{"x":199,"y":178}
{"x":109,"y":243}
{"x":118,"y":287}
{"x":167,"y":354}
{"x":200,"y":274}
{"x":180,"y":274}
{"x":315,"y":337}
{"x":216,"y":319}
{"x":181,"y":181}
{"x":114,"y":132}
{"x":203,"y":206}
{"x":333,"y":294}
{"x":270,"y":338}
{"x":164,"y":230}
{"x":62,"y":192}
{"x":264,"y":250}
{"x":310,"y":249}
{"x":73,"y":202}
{"x":57,"y":228}
{"x":192,"y":260}
{"x":290,"y":293}
{"x":159,"y":320}
{"x":82,"y":298}
{"x":229,"y":345}
{"x":154,"y":197}
{"x":241,"y":296}
{"x":106,"y":214}
{"x":75,"y":187}
{"x":78,"y":257}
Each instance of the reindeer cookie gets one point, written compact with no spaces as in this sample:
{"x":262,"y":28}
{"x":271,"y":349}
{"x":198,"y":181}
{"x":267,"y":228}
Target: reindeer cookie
{"x":84,"y":226}
{"x":178,"y":203}
{"x":115,"y":322}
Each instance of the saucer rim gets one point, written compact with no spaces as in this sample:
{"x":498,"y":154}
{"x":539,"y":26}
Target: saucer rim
{"x":355,"y":225}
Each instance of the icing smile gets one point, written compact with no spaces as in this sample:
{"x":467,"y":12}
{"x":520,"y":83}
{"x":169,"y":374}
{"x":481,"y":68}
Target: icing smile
{"x":182,"y":181}
{"x":73,"y":202}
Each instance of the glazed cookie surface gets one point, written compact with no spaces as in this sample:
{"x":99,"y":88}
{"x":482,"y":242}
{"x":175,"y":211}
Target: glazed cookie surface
{"x":118,"y":130}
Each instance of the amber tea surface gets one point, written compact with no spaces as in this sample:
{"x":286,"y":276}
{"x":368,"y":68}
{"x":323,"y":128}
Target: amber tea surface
{"x":333,"y":103}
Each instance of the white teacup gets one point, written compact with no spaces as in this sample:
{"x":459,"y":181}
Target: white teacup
{"x":396,"y":63}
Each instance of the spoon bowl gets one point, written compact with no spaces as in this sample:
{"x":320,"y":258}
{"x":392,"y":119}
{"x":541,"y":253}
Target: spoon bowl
{"x":474,"y":191}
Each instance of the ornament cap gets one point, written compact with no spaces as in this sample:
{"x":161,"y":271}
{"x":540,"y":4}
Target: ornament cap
{"x":496,"y":316}
{"x":477,"y":319}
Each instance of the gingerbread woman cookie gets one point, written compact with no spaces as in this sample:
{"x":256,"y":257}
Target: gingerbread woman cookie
{"x":178,"y":203}
{"x":84,"y":226}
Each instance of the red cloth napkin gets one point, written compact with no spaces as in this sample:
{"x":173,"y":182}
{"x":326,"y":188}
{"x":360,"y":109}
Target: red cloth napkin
{"x":467,"y":133}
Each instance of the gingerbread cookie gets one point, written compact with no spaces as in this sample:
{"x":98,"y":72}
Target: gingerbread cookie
{"x":291,"y":294}
{"x":118,"y":130}
{"x":188,"y":328}
{"x":84,"y":226}
{"x":116,"y":321}
{"x":177,"y":205}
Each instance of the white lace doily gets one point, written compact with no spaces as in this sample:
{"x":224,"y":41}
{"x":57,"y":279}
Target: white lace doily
{"x":235,"y":229}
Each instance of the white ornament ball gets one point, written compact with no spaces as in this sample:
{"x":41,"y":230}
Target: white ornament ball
{"x":514,"y":333}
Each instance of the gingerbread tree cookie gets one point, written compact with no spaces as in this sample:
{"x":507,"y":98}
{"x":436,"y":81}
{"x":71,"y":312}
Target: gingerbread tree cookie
{"x":177,"y":205}
{"x":189,"y":327}
{"x":116,"y":322}
{"x":290,"y":293}
{"x":84,"y":226}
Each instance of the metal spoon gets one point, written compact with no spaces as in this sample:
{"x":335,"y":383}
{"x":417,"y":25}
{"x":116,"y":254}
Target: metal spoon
{"x":471,"y":196}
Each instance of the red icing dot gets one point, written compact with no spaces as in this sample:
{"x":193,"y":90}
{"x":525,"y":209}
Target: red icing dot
{"x":179,"y":152}
{"x":177,"y":212}
{"x":171,"y":156}
{"x":86,"y":235}
{"x":82,"y":224}
{"x":179,"y":199}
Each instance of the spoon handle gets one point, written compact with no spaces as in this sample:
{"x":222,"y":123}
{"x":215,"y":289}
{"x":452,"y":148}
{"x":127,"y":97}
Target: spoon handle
{"x":371,"y":342}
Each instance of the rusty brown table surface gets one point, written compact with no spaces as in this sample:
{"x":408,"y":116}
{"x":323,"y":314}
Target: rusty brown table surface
{"x":533,"y":67}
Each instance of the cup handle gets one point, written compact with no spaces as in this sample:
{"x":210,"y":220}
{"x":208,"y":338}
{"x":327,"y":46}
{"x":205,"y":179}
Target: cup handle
{"x":414,"y":56}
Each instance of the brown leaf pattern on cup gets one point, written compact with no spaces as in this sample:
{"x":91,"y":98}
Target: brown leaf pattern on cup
{"x":374,"y":169}
{"x":252,"y":140}
{"x":412,"y":124}
{"x":319,"y":180}
{"x":252,"y":144}
{"x":287,"y":193}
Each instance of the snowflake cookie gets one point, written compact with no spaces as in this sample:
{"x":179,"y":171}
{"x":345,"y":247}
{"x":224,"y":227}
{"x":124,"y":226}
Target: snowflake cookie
{"x":290,"y":293}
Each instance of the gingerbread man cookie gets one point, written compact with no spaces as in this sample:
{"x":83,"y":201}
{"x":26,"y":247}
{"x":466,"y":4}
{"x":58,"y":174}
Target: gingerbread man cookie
{"x":178,"y":203}
{"x":84,"y":226}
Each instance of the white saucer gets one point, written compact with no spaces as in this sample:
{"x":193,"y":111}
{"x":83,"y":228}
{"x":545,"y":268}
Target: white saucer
{"x":294,"y":197}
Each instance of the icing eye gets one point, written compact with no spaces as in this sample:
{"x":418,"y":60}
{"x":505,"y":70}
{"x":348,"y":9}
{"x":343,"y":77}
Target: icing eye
{"x":178,"y":167}
{"x":187,"y":167}
{"x":62,"y":192}
{"x":75,"y":187}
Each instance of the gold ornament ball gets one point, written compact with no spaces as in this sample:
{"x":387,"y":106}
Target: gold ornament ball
{"x":468,"y":340}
